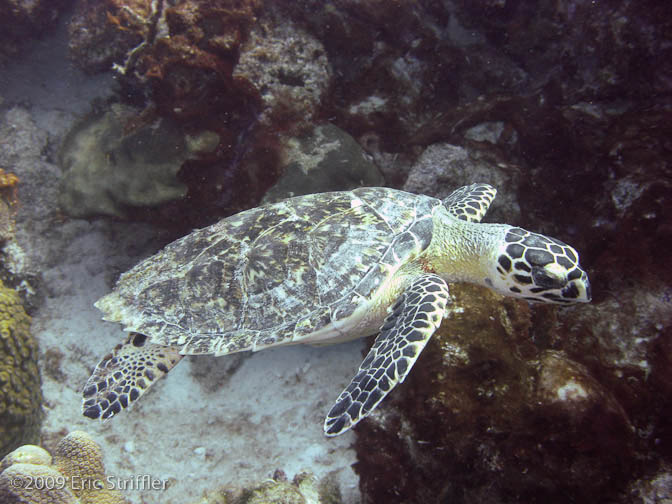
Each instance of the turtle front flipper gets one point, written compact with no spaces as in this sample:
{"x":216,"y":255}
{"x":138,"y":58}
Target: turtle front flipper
{"x":126,"y":373}
{"x":470,"y":203}
{"x":414,"y":317}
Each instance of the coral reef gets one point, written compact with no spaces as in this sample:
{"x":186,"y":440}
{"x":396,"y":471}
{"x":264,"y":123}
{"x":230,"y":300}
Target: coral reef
{"x":578,"y":40}
{"x":186,"y":51}
{"x":442,"y":167}
{"x":76,"y":475}
{"x":102,"y":35}
{"x":8,"y":183}
{"x":288,"y":66}
{"x":565,"y":106}
{"x":515,"y":419}
{"x":220,"y":66}
{"x":20,"y":392}
{"x":31,"y":203}
{"x":592,"y":174}
{"x":657,"y":489}
{"x":413,"y":63}
{"x":152,"y":35}
{"x":24,"y":20}
{"x":417,"y":62}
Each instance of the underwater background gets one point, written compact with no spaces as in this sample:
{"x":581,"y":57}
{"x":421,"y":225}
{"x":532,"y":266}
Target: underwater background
{"x":125,"y":124}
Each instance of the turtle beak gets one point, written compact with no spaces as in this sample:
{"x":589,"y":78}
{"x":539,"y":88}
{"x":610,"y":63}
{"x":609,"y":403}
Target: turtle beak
{"x":578,"y":290}
{"x":575,"y":291}
{"x":586,"y":287}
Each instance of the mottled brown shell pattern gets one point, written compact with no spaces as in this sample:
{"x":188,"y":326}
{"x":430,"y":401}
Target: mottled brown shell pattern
{"x":272,"y":274}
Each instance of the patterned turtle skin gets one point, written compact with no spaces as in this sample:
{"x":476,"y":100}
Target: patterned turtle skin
{"x":320,"y":269}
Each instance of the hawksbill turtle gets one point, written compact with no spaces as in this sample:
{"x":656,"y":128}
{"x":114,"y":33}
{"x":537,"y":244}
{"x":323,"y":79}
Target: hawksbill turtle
{"x":319,"y":269}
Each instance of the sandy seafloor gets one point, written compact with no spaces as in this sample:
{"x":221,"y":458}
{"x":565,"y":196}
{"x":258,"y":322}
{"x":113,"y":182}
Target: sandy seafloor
{"x":210,"y":422}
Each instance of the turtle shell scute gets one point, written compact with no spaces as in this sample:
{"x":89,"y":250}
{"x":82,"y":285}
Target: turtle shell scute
{"x":272,"y":274}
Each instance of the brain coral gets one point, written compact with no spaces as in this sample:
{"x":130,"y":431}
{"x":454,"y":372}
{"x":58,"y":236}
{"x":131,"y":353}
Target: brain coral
{"x":80,"y":458}
{"x":26,"y":454}
{"x":19,"y":482}
{"x":20,"y":391}
{"x":76,"y":476}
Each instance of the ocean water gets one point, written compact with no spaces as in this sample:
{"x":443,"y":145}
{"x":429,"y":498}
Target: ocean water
{"x":564,"y":107}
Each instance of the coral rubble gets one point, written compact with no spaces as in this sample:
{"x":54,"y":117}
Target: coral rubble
{"x":303,"y":489}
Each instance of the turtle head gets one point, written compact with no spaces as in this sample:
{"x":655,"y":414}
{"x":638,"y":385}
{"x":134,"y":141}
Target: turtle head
{"x":538,"y":268}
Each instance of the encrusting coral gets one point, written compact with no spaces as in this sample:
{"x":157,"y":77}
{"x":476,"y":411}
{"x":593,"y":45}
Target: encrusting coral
{"x":20,"y":386}
{"x":76,"y":475}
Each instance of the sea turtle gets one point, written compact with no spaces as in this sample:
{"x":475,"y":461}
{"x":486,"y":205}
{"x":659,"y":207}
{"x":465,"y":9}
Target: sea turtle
{"x":317,"y":269}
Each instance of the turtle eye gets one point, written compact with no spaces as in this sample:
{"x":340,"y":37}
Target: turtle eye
{"x":548,"y":278}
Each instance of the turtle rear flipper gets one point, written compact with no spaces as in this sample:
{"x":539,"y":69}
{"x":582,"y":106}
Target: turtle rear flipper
{"x":126,"y":373}
{"x":414,"y":317}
